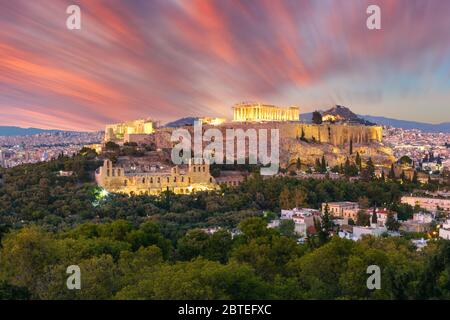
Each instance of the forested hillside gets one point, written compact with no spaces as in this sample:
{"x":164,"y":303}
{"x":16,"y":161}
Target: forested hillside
{"x":149,"y":247}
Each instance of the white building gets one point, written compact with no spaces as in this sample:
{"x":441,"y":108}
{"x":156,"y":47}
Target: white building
{"x":420,"y":243}
{"x":300,"y":229}
{"x":421,"y":222}
{"x":382,"y":215}
{"x":444,"y":231}
{"x":303,"y":218}
{"x":376,"y":231}
{"x":65,"y":173}
{"x":273,"y":224}
{"x":306,"y":212}
{"x":423,"y":217}
{"x":429,"y":204}
{"x":211,"y":231}
{"x":432,"y":166}
{"x":347,"y":235}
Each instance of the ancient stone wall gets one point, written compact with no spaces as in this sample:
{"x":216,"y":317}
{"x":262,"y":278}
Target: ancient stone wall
{"x":335,"y":134}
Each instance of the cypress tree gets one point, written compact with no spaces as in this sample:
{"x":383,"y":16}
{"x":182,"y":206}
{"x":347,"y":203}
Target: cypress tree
{"x":318,"y":166}
{"x":415,"y":179}
{"x":347,"y":168}
{"x":392,"y":173}
{"x":374,"y":215}
{"x":358,"y":161}
{"x":325,"y":226}
{"x":323,"y":165}
{"x":403,"y":176}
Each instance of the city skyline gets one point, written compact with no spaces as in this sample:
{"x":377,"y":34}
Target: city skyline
{"x":171,"y":59}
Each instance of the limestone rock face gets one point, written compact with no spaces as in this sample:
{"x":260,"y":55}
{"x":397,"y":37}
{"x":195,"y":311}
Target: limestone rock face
{"x":291,"y":149}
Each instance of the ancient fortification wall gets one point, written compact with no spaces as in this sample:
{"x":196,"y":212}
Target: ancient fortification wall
{"x":335,"y":134}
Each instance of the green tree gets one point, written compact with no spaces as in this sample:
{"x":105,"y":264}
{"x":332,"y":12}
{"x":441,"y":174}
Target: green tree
{"x":368,"y":173}
{"x":374,"y":215}
{"x":323,"y":165}
{"x":285,"y":199}
{"x":358,"y":161}
{"x":363,"y":202}
{"x":298,"y":164}
{"x":363,"y":218}
{"x":403,"y":177}
{"x":392,"y":175}
{"x":198,"y":279}
{"x":253,"y":227}
{"x":391,"y":223}
{"x":111,"y":146}
{"x":193,"y":244}
{"x":316,"y":117}
{"x":9,"y":292}
{"x":25,"y":256}
{"x":149,"y":234}
{"x":287,"y":228}
{"x":405,"y":160}
{"x":325,"y":225}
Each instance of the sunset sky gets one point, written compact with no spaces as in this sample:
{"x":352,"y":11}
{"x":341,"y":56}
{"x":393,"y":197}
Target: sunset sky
{"x":167,"y":59}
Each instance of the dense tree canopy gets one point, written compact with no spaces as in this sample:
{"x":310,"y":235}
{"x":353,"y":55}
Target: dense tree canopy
{"x":148,"y":247}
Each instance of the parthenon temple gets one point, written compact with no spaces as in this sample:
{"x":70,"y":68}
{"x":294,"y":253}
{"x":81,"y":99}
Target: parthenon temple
{"x":256,"y":112}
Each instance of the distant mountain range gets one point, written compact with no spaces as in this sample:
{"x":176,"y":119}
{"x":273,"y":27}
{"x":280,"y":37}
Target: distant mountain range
{"x":405,"y":124}
{"x":383,"y":121}
{"x":17,"y":131}
{"x":181,"y":122}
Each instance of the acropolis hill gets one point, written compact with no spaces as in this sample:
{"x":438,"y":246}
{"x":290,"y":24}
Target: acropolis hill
{"x":297,"y":139}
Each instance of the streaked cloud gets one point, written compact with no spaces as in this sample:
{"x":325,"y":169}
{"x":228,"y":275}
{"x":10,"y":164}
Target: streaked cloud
{"x":171,"y":58}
